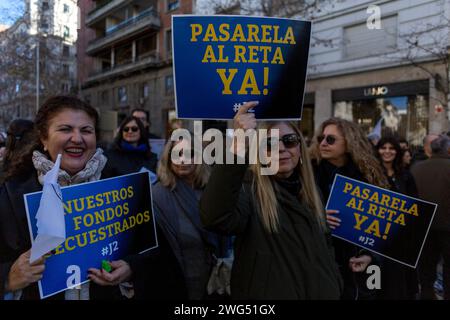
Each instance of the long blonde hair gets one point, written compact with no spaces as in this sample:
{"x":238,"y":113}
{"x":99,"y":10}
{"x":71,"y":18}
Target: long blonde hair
{"x":358,"y":148}
{"x":264,"y":191}
{"x":168,"y":178}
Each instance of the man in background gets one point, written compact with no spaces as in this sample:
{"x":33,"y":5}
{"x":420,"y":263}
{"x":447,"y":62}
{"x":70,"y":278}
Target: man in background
{"x":429,"y":138}
{"x":142,"y":115}
{"x":432,"y":178}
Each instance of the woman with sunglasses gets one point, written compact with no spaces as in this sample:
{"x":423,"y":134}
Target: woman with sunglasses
{"x":175,"y":200}
{"x":130,"y":150}
{"x":340,"y":147}
{"x":282,"y":245}
{"x":398,"y":282}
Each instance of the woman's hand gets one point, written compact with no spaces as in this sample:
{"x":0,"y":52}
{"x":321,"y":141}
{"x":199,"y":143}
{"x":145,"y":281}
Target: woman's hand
{"x":121,"y":272}
{"x":243,"y":120}
{"x":359,"y":264}
{"x":22,"y":273}
{"x":333,"y":222}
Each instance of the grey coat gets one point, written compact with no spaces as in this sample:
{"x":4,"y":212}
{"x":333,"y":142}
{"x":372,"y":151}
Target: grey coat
{"x":177,"y":214}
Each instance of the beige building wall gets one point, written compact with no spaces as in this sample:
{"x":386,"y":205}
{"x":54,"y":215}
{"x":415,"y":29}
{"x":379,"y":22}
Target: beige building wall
{"x":322,"y":89}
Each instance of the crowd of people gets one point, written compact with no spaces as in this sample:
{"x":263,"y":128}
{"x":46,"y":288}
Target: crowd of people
{"x":273,"y":228}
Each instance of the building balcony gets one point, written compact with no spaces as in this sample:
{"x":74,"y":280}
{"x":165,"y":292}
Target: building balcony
{"x":146,"y":20}
{"x":145,"y":61}
{"x":100,"y":12}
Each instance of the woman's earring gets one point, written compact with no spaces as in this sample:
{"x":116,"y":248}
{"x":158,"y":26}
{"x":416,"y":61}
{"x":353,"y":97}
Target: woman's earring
{"x":45,"y":148}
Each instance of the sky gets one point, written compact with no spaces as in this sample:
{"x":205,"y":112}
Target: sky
{"x":10,"y":10}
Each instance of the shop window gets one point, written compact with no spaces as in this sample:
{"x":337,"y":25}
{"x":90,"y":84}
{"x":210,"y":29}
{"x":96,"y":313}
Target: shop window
{"x":401,"y":116}
{"x":418,"y":120}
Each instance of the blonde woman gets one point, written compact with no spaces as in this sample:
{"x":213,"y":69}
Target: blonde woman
{"x":340,"y":147}
{"x":282,"y":247}
{"x":175,"y":200}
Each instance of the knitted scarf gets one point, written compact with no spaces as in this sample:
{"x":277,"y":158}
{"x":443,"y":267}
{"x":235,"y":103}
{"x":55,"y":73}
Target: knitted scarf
{"x":91,"y":172}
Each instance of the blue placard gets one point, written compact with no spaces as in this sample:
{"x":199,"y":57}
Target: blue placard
{"x":220,"y":62}
{"x":105,"y":220}
{"x":388,"y":223}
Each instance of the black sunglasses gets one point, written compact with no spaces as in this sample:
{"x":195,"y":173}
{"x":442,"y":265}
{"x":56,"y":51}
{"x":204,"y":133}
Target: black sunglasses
{"x":134,"y":129}
{"x":289,"y":140}
{"x":329,"y":139}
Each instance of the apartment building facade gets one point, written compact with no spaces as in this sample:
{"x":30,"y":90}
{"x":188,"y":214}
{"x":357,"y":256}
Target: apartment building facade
{"x":125,"y":59}
{"x":38,"y":57}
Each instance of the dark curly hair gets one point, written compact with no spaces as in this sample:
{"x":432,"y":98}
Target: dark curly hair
{"x":398,"y":160}
{"x":48,"y":110}
{"x":358,"y":149}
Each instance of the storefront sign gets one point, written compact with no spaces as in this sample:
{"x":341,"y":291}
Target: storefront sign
{"x":376,"y":91}
{"x":410,"y":88}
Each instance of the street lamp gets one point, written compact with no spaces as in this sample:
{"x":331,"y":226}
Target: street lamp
{"x":37,"y":72}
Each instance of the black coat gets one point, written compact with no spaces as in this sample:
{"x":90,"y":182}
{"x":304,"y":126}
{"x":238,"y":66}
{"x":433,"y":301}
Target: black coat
{"x":400,"y":282}
{"x":156,"y":274}
{"x":355,"y":286}
{"x":404,"y":182}
{"x":122,"y":161}
{"x":295,"y":263}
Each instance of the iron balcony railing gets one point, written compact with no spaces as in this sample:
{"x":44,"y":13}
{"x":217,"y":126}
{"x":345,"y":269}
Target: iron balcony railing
{"x":111,"y":32}
{"x":150,"y":58}
{"x":133,"y":20}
